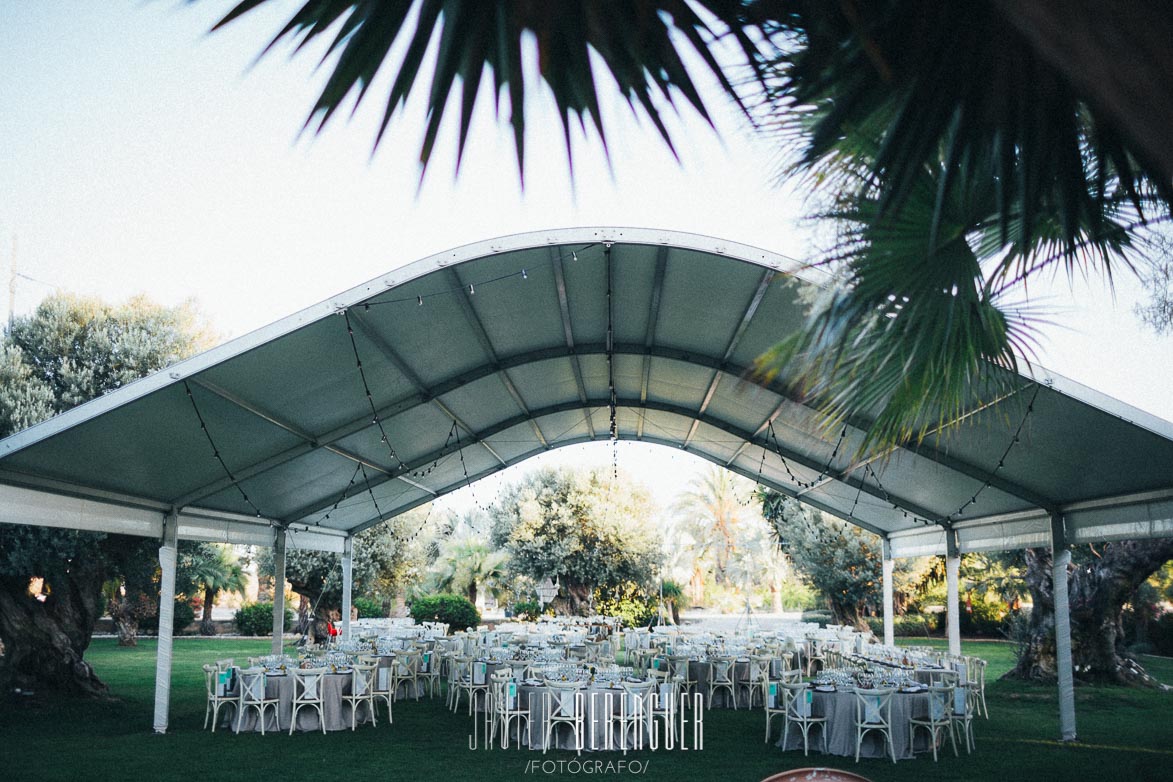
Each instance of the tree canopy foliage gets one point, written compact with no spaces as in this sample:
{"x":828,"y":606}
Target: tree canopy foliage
{"x":841,"y":560}
{"x":585,"y":527}
{"x":387,"y":558}
{"x":71,"y":350}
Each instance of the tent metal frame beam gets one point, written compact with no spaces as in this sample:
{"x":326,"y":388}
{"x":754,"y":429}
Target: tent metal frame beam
{"x":806,"y":462}
{"x":650,"y":439}
{"x":650,"y":331}
{"x":747,"y":314}
{"x":427,"y":395}
{"x":401,"y":366}
{"x":568,"y":328}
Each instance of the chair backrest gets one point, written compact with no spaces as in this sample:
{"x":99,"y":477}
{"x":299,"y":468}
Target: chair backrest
{"x":362,"y":679}
{"x":461,"y":667}
{"x":407,"y":663}
{"x":962,"y":703}
{"x":307,"y":684}
{"x":799,"y":698}
{"x":636,"y":696}
{"x":873,"y":707}
{"x":721,"y":670}
{"x":773,"y":695}
{"x":252,"y":685}
{"x":759,"y":668}
{"x":225,"y":664}
{"x":210,"y":680}
{"x":504,"y":692}
{"x":564,"y":699}
{"x":940,"y":703}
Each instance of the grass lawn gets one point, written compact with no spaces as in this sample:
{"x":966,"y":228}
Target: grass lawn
{"x":1125,"y":736}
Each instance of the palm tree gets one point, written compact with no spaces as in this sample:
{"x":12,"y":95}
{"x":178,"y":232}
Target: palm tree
{"x":214,"y":570}
{"x":713,"y":514}
{"x":466,"y":560}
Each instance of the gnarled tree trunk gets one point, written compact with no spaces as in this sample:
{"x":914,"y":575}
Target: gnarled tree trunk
{"x":45,"y":642}
{"x":128,"y":611}
{"x":1097,"y":592}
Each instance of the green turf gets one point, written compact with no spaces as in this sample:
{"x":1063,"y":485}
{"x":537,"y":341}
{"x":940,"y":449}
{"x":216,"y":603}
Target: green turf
{"x":1125,"y":735}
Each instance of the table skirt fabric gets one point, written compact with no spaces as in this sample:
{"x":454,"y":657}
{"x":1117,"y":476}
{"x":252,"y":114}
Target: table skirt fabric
{"x":598,"y":706}
{"x":335,"y":710}
{"x":839,"y":709}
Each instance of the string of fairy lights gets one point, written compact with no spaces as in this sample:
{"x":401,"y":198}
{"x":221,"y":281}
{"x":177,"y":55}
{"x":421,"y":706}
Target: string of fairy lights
{"x":943,"y":521}
{"x":216,"y":452}
{"x":470,"y":288}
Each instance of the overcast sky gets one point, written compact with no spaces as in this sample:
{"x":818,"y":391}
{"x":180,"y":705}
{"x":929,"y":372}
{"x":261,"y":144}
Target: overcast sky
{"x":139,"y":154}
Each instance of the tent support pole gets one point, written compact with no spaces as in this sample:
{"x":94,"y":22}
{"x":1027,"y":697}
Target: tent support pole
{"x":889,"y":630}
{"x":952,"y":599}
{"x":167,"y":560}
{"x":278,"y":591}
{"x":1060,"y":560}
{"x":347,"y":584}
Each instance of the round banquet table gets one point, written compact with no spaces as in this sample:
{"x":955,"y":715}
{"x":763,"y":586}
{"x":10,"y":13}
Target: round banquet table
{"x":601,"y":701}
{"x":280,"y":686}
{"x":839,"y":709}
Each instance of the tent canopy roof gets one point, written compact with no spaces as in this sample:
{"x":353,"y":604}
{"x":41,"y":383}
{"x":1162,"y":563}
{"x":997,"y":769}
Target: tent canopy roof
{"x":481,"y":357}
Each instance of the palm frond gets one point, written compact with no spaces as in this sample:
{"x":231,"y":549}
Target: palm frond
{"x":641,"y":43}
{"x":954,"y":85}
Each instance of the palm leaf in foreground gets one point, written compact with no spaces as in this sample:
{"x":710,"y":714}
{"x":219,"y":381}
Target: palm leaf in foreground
{"x":637,"y":41}
{"x":921,"y":331}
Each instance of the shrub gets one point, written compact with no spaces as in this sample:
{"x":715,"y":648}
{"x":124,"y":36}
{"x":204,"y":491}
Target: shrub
{"x":981,"y":617}
{"x":905,"y":626}
{"x":821,"y":618}
{"x":184,"y":616}
{"x":527,"y":610}
{"x":369,"y":608}
{"x":1161,"y":634}
{"x":453,"y":610}
{"x":627,"y":602}
{"x":257,"y":619}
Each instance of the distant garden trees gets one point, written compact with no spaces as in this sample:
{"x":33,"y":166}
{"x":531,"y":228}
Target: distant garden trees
{"x":586,"y":528}
{"x":387,"y":558}
{"x":839,"y":559}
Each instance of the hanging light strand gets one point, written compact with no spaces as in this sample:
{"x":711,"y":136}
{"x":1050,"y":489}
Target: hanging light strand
{"x":370,"y":492}
{"x":367,"y":390}
{"x":474,"y":286}
{"x":770,"y":435}
{"x":467,"y":480}
{"x":948,"y":519}
{"x":612,"y":396}
{"x":342,"y":496}
{"x":216,"y":452}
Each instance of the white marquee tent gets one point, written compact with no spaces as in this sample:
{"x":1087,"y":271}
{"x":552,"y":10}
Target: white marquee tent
{"x":419,"y":382}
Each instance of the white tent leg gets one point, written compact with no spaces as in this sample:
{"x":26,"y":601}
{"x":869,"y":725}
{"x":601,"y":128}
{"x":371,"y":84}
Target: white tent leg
{"x":278,"y":591}
{"x":952,"y":599}
{"x":1060,"y":559}
{"x":167,"y":558}
{"x":888,"y":563}
{"x":347,"y":584}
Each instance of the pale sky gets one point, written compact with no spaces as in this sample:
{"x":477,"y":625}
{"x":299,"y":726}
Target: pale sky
{"x":138,"y":154}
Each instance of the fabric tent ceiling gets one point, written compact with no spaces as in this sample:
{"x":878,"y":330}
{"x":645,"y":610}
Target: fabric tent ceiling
{"x":481,"y":357}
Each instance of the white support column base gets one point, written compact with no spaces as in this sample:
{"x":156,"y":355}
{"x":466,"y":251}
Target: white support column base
{"x":167,"y":561}
{"x":278,"y":592}
{"x":1060,"y":559}
{"x":953,"y":597}
{"x":889,"y":628}
{"x":347,"y":584}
